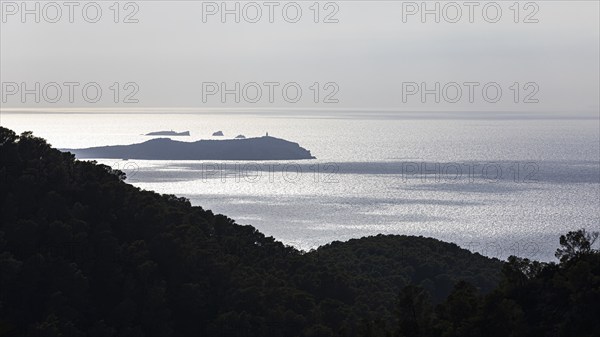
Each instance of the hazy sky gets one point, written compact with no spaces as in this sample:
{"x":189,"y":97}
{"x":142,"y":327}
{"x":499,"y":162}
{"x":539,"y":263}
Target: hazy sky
{"x":370,"y":57}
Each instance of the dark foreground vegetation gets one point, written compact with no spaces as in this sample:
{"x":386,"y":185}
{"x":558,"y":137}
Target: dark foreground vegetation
{"x":82,"y":253}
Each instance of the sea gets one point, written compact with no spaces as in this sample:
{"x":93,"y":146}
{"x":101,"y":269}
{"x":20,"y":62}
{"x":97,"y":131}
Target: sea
{"x":498,"y":185}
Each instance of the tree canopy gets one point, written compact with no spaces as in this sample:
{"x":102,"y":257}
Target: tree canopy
{"x":83,"y":253}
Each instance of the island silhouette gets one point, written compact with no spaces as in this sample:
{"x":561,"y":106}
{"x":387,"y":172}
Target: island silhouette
{"x":168,"y":133}
{"x":259,"y":148}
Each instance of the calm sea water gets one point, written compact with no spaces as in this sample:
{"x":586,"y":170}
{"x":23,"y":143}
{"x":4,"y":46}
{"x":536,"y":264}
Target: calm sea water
{"x":498,"y":186}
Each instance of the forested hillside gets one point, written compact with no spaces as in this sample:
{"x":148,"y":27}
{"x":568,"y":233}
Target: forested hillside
{"x":82,"y":253}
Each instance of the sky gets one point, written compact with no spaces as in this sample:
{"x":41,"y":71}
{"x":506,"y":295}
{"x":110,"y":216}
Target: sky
{"x":364,"y":55}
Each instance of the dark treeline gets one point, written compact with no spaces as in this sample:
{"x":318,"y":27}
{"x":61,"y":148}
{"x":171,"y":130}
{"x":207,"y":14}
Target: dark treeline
{"x":82,"y":253}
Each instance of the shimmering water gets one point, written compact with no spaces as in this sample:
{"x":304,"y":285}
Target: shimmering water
{"x":499,"y":186}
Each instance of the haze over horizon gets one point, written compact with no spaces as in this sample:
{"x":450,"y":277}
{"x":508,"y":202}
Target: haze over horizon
{"x":373,"y":54}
